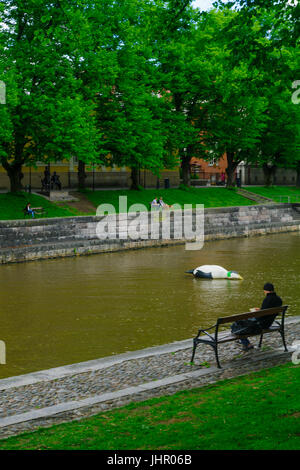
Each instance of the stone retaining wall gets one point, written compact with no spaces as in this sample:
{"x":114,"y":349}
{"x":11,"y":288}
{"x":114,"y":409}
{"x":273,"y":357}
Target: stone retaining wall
{"x":24,"y":240}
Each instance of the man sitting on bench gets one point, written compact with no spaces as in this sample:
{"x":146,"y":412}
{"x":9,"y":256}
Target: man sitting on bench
{"x":255,"y":325}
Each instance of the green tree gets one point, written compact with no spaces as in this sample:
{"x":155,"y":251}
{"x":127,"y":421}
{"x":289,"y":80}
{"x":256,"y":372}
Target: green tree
{"x":217,"y":106}
{"x":279,"y":143}
{"x":133,"y":110}
{"x":186,"y":74}
{"x":265,"y":34}
{"x":285,"y":27}
{"x":45,"y":117}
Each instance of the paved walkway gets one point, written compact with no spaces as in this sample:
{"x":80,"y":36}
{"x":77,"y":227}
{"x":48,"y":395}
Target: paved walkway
{"x":57,"y":395}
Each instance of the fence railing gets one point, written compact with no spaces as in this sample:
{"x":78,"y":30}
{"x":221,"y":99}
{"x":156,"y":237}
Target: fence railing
{"x":69,"y":180}
{"x":287,"y":199}
{"x":207,"y":177}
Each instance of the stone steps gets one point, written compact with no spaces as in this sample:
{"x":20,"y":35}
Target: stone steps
{"x":254,"y":197}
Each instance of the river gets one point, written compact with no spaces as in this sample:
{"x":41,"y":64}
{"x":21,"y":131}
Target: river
{"x":63,"y":311}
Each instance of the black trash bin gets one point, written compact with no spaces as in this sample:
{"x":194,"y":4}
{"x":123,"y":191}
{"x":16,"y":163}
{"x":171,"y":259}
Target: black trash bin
{"x":167,"y":183}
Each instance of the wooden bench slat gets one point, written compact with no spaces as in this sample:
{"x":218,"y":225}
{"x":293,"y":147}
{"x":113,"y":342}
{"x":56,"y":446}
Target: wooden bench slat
{"x":232,"y":337}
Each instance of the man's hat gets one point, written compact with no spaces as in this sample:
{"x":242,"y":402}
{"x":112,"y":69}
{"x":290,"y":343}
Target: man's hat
{"x":269,"y":287}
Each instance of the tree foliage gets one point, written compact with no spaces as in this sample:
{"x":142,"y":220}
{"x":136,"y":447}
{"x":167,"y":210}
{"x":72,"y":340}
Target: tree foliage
{"x":46,"y":116}
{"x":148,"y":84}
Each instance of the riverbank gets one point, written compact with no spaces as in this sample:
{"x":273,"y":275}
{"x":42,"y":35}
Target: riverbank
{"x":26,"y":240}
{"x":86,"y":202}
{"x":206,"y":418}
{"x":62,"y":394}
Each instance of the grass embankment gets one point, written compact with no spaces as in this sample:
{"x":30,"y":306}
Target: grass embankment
{"x":259,"y":411}
{"x":13,"y":204}
{"x":277,"y":193}
{"x":210,"y":197}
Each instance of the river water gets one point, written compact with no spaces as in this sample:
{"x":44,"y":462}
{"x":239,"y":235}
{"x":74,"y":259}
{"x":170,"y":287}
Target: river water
{"x":58,"y":312}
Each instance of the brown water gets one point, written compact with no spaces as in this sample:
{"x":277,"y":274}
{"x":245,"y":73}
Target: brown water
{"x":59,"y":312}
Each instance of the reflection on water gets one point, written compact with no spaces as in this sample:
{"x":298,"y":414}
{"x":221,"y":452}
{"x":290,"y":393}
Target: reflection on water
{"x":63,"y":311}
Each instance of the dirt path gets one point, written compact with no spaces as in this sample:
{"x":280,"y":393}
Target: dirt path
{"x":83,"y":204}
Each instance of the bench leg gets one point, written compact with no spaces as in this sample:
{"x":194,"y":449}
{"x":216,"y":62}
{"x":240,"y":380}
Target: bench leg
{"x":194,"y":350}
{"x":260,"y":340}
{"x":217,"y":356}
{"x":214,"y":346}
{"x":283,"y":340}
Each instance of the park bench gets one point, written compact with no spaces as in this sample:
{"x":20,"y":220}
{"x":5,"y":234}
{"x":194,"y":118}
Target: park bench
{"x":214,"y":340}
{"x":36,"y":210}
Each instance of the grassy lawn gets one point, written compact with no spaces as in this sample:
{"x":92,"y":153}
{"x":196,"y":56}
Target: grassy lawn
{"x":12,"y":205}
{"x":259,"y":411}
{"x":210,"y":197}
{"x":277,"y":193}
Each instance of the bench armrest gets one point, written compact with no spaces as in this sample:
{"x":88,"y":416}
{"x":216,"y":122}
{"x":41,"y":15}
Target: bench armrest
{"x":205,"y":331}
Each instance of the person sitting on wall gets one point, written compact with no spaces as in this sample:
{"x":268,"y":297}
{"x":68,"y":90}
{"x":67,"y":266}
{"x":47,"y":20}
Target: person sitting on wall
{"x":256,"y":325}
{"x":55,"y":181}
{"x":29,"y":210}
{"x":155,"y":204}
{"x":163,"y":204}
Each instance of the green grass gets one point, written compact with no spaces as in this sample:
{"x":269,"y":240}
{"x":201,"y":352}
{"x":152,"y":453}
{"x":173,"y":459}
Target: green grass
{"x":277,"y":193}
{"x":12,"y":205}
{"x":210,"y":197}
{"x":259,"y":411}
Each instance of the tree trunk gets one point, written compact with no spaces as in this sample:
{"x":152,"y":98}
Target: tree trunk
{"x":231,"y":167}
{"x":134,"y":178}
{"x":186,"y":170}
{"x":14,"y":166}
{"x":15,"y":175}
{"x":298,"y":174}
{"x":81,"y":174}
